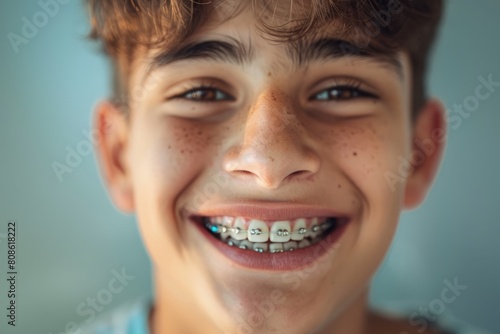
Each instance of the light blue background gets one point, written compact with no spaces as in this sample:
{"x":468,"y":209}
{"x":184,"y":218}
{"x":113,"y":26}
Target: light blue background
{"x":70,"y":237}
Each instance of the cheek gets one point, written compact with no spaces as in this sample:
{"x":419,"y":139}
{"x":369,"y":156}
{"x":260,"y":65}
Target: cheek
{"x":365,"y":151}
{"x":167,"y":154}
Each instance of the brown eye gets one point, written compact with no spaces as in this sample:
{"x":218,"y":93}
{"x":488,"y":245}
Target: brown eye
{"x":205,"y":94}
{"x":342,"y":93}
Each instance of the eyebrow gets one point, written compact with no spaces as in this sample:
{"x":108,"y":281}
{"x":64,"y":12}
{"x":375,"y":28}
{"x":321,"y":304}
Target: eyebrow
{"x":300,"y":52}
{"x":324,"y":49}
{"x":232,"y":51}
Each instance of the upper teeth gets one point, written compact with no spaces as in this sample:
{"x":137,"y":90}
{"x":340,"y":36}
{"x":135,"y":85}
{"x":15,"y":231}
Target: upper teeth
{"x":238,"y":228}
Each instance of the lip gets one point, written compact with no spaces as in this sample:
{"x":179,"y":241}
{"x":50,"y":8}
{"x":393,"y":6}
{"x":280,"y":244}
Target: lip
{"x":287,"y":261}
{"x":270,"y":211}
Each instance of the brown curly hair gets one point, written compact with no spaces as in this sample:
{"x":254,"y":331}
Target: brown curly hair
{"x":373,"y":26}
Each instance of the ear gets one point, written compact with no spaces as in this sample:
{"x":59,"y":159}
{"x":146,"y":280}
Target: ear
{"x":428,"y":142}
{"x":113,"y":129}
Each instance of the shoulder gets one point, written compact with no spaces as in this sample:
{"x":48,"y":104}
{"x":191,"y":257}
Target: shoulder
{"x":406,"y":322}
{"x":130,"y":318}
{"x":384,"y":323}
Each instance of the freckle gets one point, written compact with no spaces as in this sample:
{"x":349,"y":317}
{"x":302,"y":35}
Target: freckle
{"x":199,"y":132}
{"x":182,"y":151}
{"x":354,"y":153}
{"x":339,"y":186}
{"x":268,"y":74}
{"x":169,"y":147}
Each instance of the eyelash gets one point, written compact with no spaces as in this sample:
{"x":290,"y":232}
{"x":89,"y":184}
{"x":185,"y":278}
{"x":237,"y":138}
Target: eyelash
{"x":353,"y":88}
{"x":203,"y":88}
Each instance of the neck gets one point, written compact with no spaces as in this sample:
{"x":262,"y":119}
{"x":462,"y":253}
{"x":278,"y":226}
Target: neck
{"x":173,"y":313}
{"x":352,"y":319}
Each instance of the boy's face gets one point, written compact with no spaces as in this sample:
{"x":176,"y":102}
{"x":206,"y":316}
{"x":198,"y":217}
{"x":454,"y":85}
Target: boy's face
{"x":266,"y":132}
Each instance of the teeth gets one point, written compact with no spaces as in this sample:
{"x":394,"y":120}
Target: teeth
{"x":299,"y":229}
{"x":315,"y":230}
{"x":258,"y":231}
{"x":255,"y":234}
{"x":238,"y":231}
{"x":304,"y":243}
{"x":233,"y":242}
{"x":276,"y":248}
{"x":292,"y":245}
{"x":245,"y":244}
{"x":260,"y":247}
{"x":280,"y":231}
{"x":225,"y":230}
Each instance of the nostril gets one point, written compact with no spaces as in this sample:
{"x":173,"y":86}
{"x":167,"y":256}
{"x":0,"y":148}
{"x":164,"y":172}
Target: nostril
{"x":303,"y":174}
{"x":257,"y":164}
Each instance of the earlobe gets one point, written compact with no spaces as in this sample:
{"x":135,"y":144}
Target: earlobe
{"x":111,"y":125}
{"x":428,"y":143}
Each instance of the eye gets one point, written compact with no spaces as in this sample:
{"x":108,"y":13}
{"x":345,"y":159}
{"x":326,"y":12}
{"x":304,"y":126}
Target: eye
{"x":342,"y":93}
{"x":205,"y":94}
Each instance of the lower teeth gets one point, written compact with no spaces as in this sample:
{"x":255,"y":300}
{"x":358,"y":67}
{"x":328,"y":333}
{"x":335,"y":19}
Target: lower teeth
{"x":273,"y":247}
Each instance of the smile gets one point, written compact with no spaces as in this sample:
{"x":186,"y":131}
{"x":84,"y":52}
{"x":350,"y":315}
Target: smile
{"x":273,"y":237}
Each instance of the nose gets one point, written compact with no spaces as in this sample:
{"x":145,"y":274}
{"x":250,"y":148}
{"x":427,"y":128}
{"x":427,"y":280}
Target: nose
{"x":274,"y":149}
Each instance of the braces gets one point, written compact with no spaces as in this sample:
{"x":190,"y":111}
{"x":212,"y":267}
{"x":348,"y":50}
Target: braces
{"x":218,"y":228}
{"x":260,"y":250}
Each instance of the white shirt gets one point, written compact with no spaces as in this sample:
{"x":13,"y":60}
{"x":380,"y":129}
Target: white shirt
{"x":133,"y":319}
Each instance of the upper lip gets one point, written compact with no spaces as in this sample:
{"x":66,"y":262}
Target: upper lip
{"x":268,"y":211}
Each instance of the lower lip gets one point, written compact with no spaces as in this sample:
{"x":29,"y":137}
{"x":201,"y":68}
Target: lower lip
{"x":286,"y":261}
